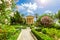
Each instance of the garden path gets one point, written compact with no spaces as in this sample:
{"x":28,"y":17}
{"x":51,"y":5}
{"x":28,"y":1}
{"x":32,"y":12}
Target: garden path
{"x":25,"y":34}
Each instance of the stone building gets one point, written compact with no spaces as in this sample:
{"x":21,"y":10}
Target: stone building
{"x":29,"y":20}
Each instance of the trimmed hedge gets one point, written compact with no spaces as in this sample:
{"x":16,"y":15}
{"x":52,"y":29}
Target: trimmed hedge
{"x":38,"y":29}
{"x":40,"y":36}
{"x":59,"y":21}
{"x":31,"y":27}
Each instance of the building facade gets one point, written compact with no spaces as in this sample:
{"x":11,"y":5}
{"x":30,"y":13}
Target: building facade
{"x":29,"y":20}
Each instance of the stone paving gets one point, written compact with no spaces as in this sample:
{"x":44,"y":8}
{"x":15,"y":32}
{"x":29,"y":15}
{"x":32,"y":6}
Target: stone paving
{"x":26,"y":35}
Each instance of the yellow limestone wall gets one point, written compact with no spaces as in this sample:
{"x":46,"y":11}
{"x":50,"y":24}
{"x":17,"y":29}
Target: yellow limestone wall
{"x":29,"y":20}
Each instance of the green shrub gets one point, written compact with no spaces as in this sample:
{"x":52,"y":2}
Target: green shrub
{"x":15,"y":36}
{"x":3,"y":35}
{"x":53,"y":25}
{"x":41,"y":36}
{"x":6,"y":32}
{"x":17,"y":26}
{"x":52,"y":32}
{"x":44,"y":31}
{"x":59,"y":21}
{"x":36,"y":34}
{"x":23,"y":27}
{"x":32,"y":27}
{"x":38,"y":29}
{"x":57,"y":26}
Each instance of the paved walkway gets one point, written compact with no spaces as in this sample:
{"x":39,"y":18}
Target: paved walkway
{"x":26,"y":35}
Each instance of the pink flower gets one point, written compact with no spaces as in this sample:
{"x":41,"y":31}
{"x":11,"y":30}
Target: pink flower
{"x":46,"y":20}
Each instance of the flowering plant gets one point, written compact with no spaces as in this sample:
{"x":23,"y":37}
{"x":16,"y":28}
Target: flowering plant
{"x":46,"y":21}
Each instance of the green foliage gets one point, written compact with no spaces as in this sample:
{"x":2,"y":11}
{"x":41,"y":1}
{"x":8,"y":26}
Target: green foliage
{"x":36,"y":15}
{"x":15,"y":36}
{"x":13,"y":5}
{"x":2,"y":7}
{"x":52,"y":32}
{"x":38,"y":29}
{"x":38,"y":22}
{"x":17,"y":19}
{"x":48,"y":21}
{"x":18,"y":26}
{"x":7,"y":14}
{"x":4,"y":14}
{"x":41,"y":36}
{"x":23,"y":27}
{"x":57,"y":15}
{"x":57,"y":26}
{"x":59,"y":21}
{"x":8,"y":32}
{"x":5,"y":34}
{"x":32,"y":26}
{"x":44,"y":31}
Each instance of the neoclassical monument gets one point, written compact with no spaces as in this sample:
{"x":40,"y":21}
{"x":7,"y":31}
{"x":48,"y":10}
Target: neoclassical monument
{"x":29,"y":20}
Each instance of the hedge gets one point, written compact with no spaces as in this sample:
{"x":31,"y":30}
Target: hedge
{"x":38,"y":29}
{"x":40,"y":36}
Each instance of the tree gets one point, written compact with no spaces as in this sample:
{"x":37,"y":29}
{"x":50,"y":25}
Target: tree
{"x":36,"y":16}
{"x":17,"y":18}
{"x":57,"y":15}
{"x":5,"y":10}
{"x":38,"y":21}
{"x":22,"y":15}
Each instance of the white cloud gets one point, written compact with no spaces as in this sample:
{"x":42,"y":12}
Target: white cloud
{"x":29,"y":11}
{"x":28,"y":7}
{"x":19,"y":7}
{"x":48,"y":11}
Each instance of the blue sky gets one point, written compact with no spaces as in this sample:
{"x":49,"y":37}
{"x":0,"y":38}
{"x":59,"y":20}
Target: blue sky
{"x":30,"y":7}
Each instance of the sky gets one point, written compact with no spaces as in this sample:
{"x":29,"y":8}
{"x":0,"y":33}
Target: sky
{"x":30,"y":7}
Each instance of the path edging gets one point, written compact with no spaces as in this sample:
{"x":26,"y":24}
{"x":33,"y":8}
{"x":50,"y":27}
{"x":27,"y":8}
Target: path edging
{"x":19,"y":36}
{"x":33,"y":36}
